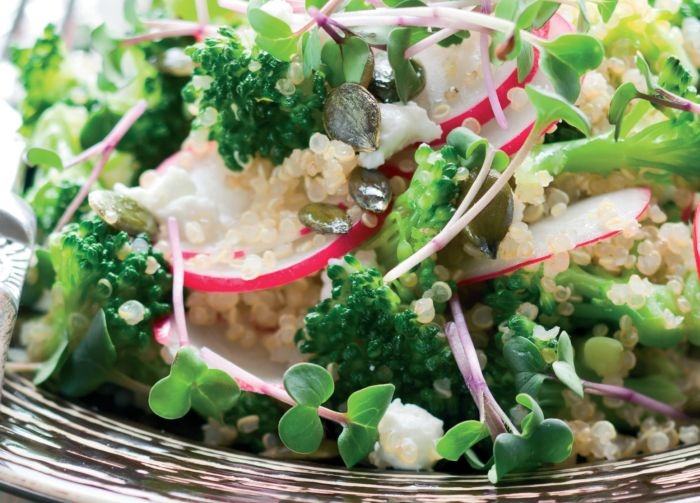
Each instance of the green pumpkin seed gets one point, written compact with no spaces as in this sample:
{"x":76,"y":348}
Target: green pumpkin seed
{"x":370,"y":189}
{"x":325,"y":218}
{"x":383,"y":84}
{"x":123,"y":213}
{"x":490,"y":226}
{"x":351,"y":115}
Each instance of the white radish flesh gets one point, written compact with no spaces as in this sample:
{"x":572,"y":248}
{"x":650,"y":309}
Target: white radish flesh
{"x":582,"y":223}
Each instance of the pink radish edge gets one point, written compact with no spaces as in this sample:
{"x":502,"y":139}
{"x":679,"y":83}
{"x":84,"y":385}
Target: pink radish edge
{"x":359,"y":233}
{"x":514,"y":266}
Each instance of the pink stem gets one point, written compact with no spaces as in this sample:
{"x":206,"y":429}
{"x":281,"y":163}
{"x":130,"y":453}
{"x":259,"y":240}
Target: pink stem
{"x":249,"y":382}
{"x":191,"y":30}
{"x":202,"y":12}
{"x":428,"y":41}
{"x":239,"y":6}
{"x":636,"y":398}
{"x":464,"y":352}
{"x":326,"y":10}
{"x":489,"y":84}
{"x":107,"y":146}
{"x":85,"y":155}
{"x":178,"y":281}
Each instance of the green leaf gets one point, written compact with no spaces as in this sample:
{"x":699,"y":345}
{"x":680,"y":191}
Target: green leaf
{"x":267,"y":25}
{"x":644,"y":69}
{"x":618,"y":105}
{"x":300,"y":429}
{"x":550,"y":108}
{"x":367,"y":406}
{"x":37,"y":156}
{"x":91,"y":361}
{"x":583,"y":22}
{"x":525,"y":60}
{"x":566,"y":373}
{"x":408,"y":80}
{"x":280,"y":48}
{"x":606,"y":9}
{"x":534,"y":418}
{"x":311,"y":51}
{"x":187,"y":366}
{"x":314,"y":3}
{"x":213,"y":393}
{"x":565,"y":350}
{"x":355,"y":443}
{"x":332,"y":58}
{"x":522,"y":355}
{"x":566,"y":58}
{"x":131,"y":15}
{"x":53,"y":363}
{"x":169,"y":398}
{"x":308,"y":384}
{"x":461,"y":438}
{"x":551,"y":443}
{"x":356,"y":55}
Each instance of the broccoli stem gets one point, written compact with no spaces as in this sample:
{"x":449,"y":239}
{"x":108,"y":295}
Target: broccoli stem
{"x":655,"y":320}
{"x":462,"y":346}
{"x":668,"y":145}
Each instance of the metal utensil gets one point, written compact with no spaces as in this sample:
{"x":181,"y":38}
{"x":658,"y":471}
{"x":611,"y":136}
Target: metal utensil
{"x":17,"y":232}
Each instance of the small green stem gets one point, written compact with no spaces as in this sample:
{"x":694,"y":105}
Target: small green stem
{"x":127,"y":382}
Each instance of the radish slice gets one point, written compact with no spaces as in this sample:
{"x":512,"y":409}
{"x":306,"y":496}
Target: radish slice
{"x":584,"y":222}
{"x":239,"y":230}
{"x":696,"y":239}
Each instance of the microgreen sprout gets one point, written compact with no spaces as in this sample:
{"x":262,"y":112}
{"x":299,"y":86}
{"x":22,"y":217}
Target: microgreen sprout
{"x":103,"y":149}
{"x":550,"y":108}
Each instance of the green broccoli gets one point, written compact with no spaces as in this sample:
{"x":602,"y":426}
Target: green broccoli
{"x":43,"y":75}
{"x":367,"y":335}
{"x":101,"y":270}
{"x":598,"y":297}
{"x":253,"y":103}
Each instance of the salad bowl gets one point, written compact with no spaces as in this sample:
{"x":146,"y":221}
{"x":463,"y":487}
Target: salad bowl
{"x":54,"y":449}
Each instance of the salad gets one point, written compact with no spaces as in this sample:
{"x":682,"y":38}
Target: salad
{"x":405,"y":234}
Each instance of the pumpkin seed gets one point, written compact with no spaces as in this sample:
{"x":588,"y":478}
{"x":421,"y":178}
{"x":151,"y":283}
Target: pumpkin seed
{"x":490,"y":226}
{"x":325,"y":218}
{"x":370,"y":189}
{"x":123,"y":213}
{"x":383,"y":84}
{"x":351,"y":115}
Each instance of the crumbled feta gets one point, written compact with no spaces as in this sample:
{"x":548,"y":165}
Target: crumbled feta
{"x":407,"y":438}
{"x":402,"y":125}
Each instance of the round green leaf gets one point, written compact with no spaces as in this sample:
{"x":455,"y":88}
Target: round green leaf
{"x":308,"y":384}
{"x":170,"y":398}
{"x":214,"y":393}
{"x":460,"y":438}
{"x":187,"y":365}
{"x":300,"y":429}
{"x":355,"y":443}
{"x":367,"y":406}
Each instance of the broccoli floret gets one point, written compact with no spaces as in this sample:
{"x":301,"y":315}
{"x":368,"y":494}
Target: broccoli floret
{"x":100,"y":268}
{"x":507,"y":293}
{"x":261,"y":107}
{"x":422,"y":211}
{"x":43,"y":76}
{"x":265,"y":411}
{"x":367,"y":335}
{"x":49,"y":202}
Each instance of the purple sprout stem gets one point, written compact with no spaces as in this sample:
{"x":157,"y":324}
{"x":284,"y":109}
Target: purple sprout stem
{"x":671,"y":100}
{"x":433,"y":16}
{"x":464,"y":352}
{"x":428,"y":41}
{"x":178,"y":281}
{"x":325,"y":23}
{"x":325,"y":11}
{"x":252,"y":383}
{"x":239,"y":6}
{"x":179,"y":29}
{"x":202,"y":12}
{"x":631,"y":396}
{"x":489,"y":84}
{"x":454,"y":227}
{"x":107,"y":146}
